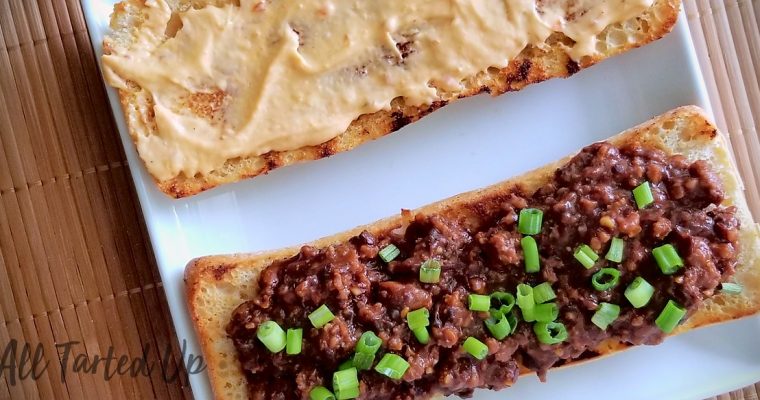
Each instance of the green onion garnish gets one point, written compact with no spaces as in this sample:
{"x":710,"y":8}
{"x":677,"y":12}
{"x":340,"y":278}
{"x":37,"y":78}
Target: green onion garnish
{"x":368,"y":343}
{"x":350,"y":393}
{"x":643,"y":195}
{"x":430,"y":271}
{"x":529,"y":221}
{"x":321,"y":393}
{"x":346,"y":384}
{"x":546,"y":312}
{"x":499,"y":327}
{"x":504,"y":301}
{"x":321,"y":316}
{"x":294,"y":341}
{"x":422,"y":335}
{"x":475,"y":348}
{"x":639,"y":292}
{"x":605,"y":278}
{"x":550,"y":332}
{"x":586,"y":256}
{"x":530,"y":253}
{"x":670,"y":316}
{"x":389,"y":253}
{"x":525,"y":297}
{"x":512,"y":318}
{"x":667,"y":258}
{"x":731,"y":288}
{"x":529,"y":314}
{"x":272,"y":336}
{"x":615,"y":253}
{"x":479,"y":302}
{"x":419,"y":318}
{"x":392,"y":366}
{"x":346,"y":364}
{"x":605,"y":315}
{"x":362,"y":361}
{"x":526,"y":301}
{"x":543,"y":293}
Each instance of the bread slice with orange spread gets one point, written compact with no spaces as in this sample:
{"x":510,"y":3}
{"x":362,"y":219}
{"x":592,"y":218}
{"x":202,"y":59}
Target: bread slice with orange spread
{"x":187,"y":122}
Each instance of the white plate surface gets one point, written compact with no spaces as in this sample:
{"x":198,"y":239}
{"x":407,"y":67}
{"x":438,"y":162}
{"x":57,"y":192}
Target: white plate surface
{"x":465,"y":146}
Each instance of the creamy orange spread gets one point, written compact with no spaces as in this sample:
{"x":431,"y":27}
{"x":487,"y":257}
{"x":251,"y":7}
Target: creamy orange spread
{"x":243,"y":80}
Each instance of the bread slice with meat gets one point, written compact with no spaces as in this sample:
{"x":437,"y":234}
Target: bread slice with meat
{"x":217,"y":285}
{"x":530,"y":66}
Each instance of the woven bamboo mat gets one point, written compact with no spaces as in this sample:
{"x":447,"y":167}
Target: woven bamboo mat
{"x":75,"y":262}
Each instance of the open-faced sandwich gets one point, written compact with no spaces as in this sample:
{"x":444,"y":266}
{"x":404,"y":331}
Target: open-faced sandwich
{"x":633,"y":239}
{"x":215,"y":91}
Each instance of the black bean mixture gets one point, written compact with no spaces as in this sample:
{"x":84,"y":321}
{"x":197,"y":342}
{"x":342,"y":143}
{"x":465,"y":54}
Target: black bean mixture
{"x":589,"y":201}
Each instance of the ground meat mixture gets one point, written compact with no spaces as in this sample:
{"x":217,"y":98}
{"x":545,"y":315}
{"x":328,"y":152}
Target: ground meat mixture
{"x":588,"y":201}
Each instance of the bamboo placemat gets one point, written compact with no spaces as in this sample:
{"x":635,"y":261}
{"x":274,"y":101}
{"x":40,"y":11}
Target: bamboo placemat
{"x":75,"y":261}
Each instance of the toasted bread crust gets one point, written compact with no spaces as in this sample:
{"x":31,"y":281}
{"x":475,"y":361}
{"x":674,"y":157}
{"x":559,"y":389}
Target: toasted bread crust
{"x":217,"y":284}
{"x":531,"y":66}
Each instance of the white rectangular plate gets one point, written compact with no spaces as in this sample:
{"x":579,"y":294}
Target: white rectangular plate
{"x":467,"y":145}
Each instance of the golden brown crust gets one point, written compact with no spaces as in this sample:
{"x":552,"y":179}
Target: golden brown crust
{"x":531,"y":66}
{"x":217,"y":284}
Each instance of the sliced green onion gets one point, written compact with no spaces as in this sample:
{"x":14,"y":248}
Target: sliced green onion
{"x":530,"y":253}
{"x":294,"y":341}
{"x":643,"y":195}
{"x":272,"y":336}
{"x":606,"y":314}
{"x":368,"y":343}
{"x":639,"y":292}
{"x":346,"y":384}
{"x":430,"y":271}
{"x":499,"y":327}
{"x":419,"y":318}
{"x":547,"y":312}
{"x":543,"y":293}
{"x":529,"y":314}
{"x":504,"y":301}
{"x":321,"y":393}
{"x":350,"y":393}
{"x":731,"y":288}
{"x":346,"y":364}
{"x":615,"y":253}
{"x":475,"y":348}
{"x":321,"y":316}
{"x":605,"y":278}
{"x":389,"y":253}
{"x":670,"y":316}
{"x":422,"y":335}
{"x":363,"y":361}
{"x":550,"y":332}
{"x":392,"y":366}
{"x":667,"y":258}
{"x":586,"y":256}
{"x":479,"y":302}
{"x":513,"y":321}
{"x":529,"y":221}
{"x":525,"y":299}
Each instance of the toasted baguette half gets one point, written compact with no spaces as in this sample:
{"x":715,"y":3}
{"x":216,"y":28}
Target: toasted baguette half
{"x":531,"y":66}
{"x":216,"y":285}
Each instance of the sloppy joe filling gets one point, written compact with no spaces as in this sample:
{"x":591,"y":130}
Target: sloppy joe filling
{"x":588,"y":201}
